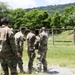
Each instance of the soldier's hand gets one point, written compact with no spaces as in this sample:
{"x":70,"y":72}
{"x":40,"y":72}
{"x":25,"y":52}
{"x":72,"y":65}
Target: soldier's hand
{"x":34,"y":48}
{"x":18,"y":54}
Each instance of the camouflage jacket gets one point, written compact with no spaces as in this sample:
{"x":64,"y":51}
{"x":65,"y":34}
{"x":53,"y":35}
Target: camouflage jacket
{"x":30,"y":41}
{"x":43,"y":40}
{"x":19,"y":41}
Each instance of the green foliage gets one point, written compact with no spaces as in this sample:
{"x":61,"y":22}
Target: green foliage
{"x":37,"y":19}
{"x":69,"y":10}
{"x":70,"y":21}
{"x":30,"y":18}
{"x":18,"y":17}
{"x":62,"y":56}
{"x":56,"y":20}
{"x":3,"y":9}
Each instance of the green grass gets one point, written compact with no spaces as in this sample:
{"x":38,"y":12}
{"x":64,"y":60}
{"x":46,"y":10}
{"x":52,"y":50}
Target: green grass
{"x":63,"y":39}
{"x":57,"y":56}
{"x":62,"y":56}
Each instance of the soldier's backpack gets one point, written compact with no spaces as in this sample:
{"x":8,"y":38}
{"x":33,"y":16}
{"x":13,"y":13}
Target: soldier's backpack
{"x":3,"y":36}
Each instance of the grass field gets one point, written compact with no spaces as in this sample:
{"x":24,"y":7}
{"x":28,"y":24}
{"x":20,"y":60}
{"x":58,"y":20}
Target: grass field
{"x":58,"y":55}
{"x":66,"y":38}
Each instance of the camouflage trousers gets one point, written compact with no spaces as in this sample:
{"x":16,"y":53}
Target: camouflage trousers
{"x":7,"y":63}
{"x":41,"y":60}
{"x":20,"y":62}
{"x":31,"y":55}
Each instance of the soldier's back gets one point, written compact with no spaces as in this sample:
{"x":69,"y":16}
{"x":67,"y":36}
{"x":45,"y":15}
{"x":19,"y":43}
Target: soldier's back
{"x":18,"y":34}
{"x":4,"y":40}
{"x":43,"y":38}
{"x":30,"y":41}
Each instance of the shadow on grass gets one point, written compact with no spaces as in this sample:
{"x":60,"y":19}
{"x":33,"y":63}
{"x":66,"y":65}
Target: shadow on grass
{"x":53,"y":72}
{"x":62,"y":41}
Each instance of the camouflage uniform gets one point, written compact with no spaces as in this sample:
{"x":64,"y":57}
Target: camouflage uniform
{"x":8,"y":51}
{"x":30,"y":50}
{"x":41,"y":56}
{"x":19,"y":40}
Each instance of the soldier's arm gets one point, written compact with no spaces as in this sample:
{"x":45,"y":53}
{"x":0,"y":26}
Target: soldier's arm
{"x":37,"y":40}
{"x":17,"y":43}
{"x":40,"y":36}
{"x":24,"y":38}
{"x":12,"y":42}
{"x":27,"y":40}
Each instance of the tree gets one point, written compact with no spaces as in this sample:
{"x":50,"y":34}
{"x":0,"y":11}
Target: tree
{"x":62,"y":21}
{"x":56,"y":20}
{"x":36,"y":19}
{"x":68,"y":16}
{"x":18,"y":17}
{"x":69,"y":10}
{"x":3,"y":9}
{"x":70,"y":21}
{"x":46,"y":20}
{"x":30,"y":18}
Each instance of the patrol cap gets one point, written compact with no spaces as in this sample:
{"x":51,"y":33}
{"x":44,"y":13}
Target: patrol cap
{"x":43,"y":28}
{"x":23,"y":28}
{"x":4,"y":20}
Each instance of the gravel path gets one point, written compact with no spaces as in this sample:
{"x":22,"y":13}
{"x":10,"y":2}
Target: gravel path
{"x":57,"y":70}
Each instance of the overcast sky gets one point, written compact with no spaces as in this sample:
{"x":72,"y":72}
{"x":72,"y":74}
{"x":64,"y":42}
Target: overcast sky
{"x":34,"y":3}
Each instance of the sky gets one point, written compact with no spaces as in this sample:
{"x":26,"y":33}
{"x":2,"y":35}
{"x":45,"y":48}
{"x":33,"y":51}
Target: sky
{"x":34,"y":3}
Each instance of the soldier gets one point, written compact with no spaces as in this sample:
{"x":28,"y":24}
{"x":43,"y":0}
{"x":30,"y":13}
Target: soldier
{"x":42,"y":50}
{"x":31,"y":49}
{"x":19,"y":40}
{"x":8,"y":51}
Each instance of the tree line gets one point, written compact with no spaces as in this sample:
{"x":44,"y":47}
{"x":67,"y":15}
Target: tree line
{"x":36,"y":18}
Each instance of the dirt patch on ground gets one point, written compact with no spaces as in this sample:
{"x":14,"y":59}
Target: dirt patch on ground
{"x":57,"y":70}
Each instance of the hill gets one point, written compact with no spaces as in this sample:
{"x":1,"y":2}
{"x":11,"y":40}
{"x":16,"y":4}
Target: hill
{"x":52,"y":8}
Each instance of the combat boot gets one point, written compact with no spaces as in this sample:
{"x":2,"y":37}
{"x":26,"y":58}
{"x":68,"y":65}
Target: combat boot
{"x":45,"y":69}
{"x":29,"y":71}
{"x":22,"y":71}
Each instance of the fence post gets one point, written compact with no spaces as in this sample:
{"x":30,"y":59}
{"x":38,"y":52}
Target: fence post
{"x":52,"y":37}
{"x":74,"y":36}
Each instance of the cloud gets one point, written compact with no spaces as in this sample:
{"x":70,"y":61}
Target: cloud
{"x":55,"y":2}
{"x":20,"y":3}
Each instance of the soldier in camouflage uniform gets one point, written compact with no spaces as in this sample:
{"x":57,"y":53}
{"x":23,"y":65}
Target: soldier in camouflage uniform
{"x":31,"y":49}
{"x":8,"y":51}
{"x":42,"y":50}
{"x":19,"y":40}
